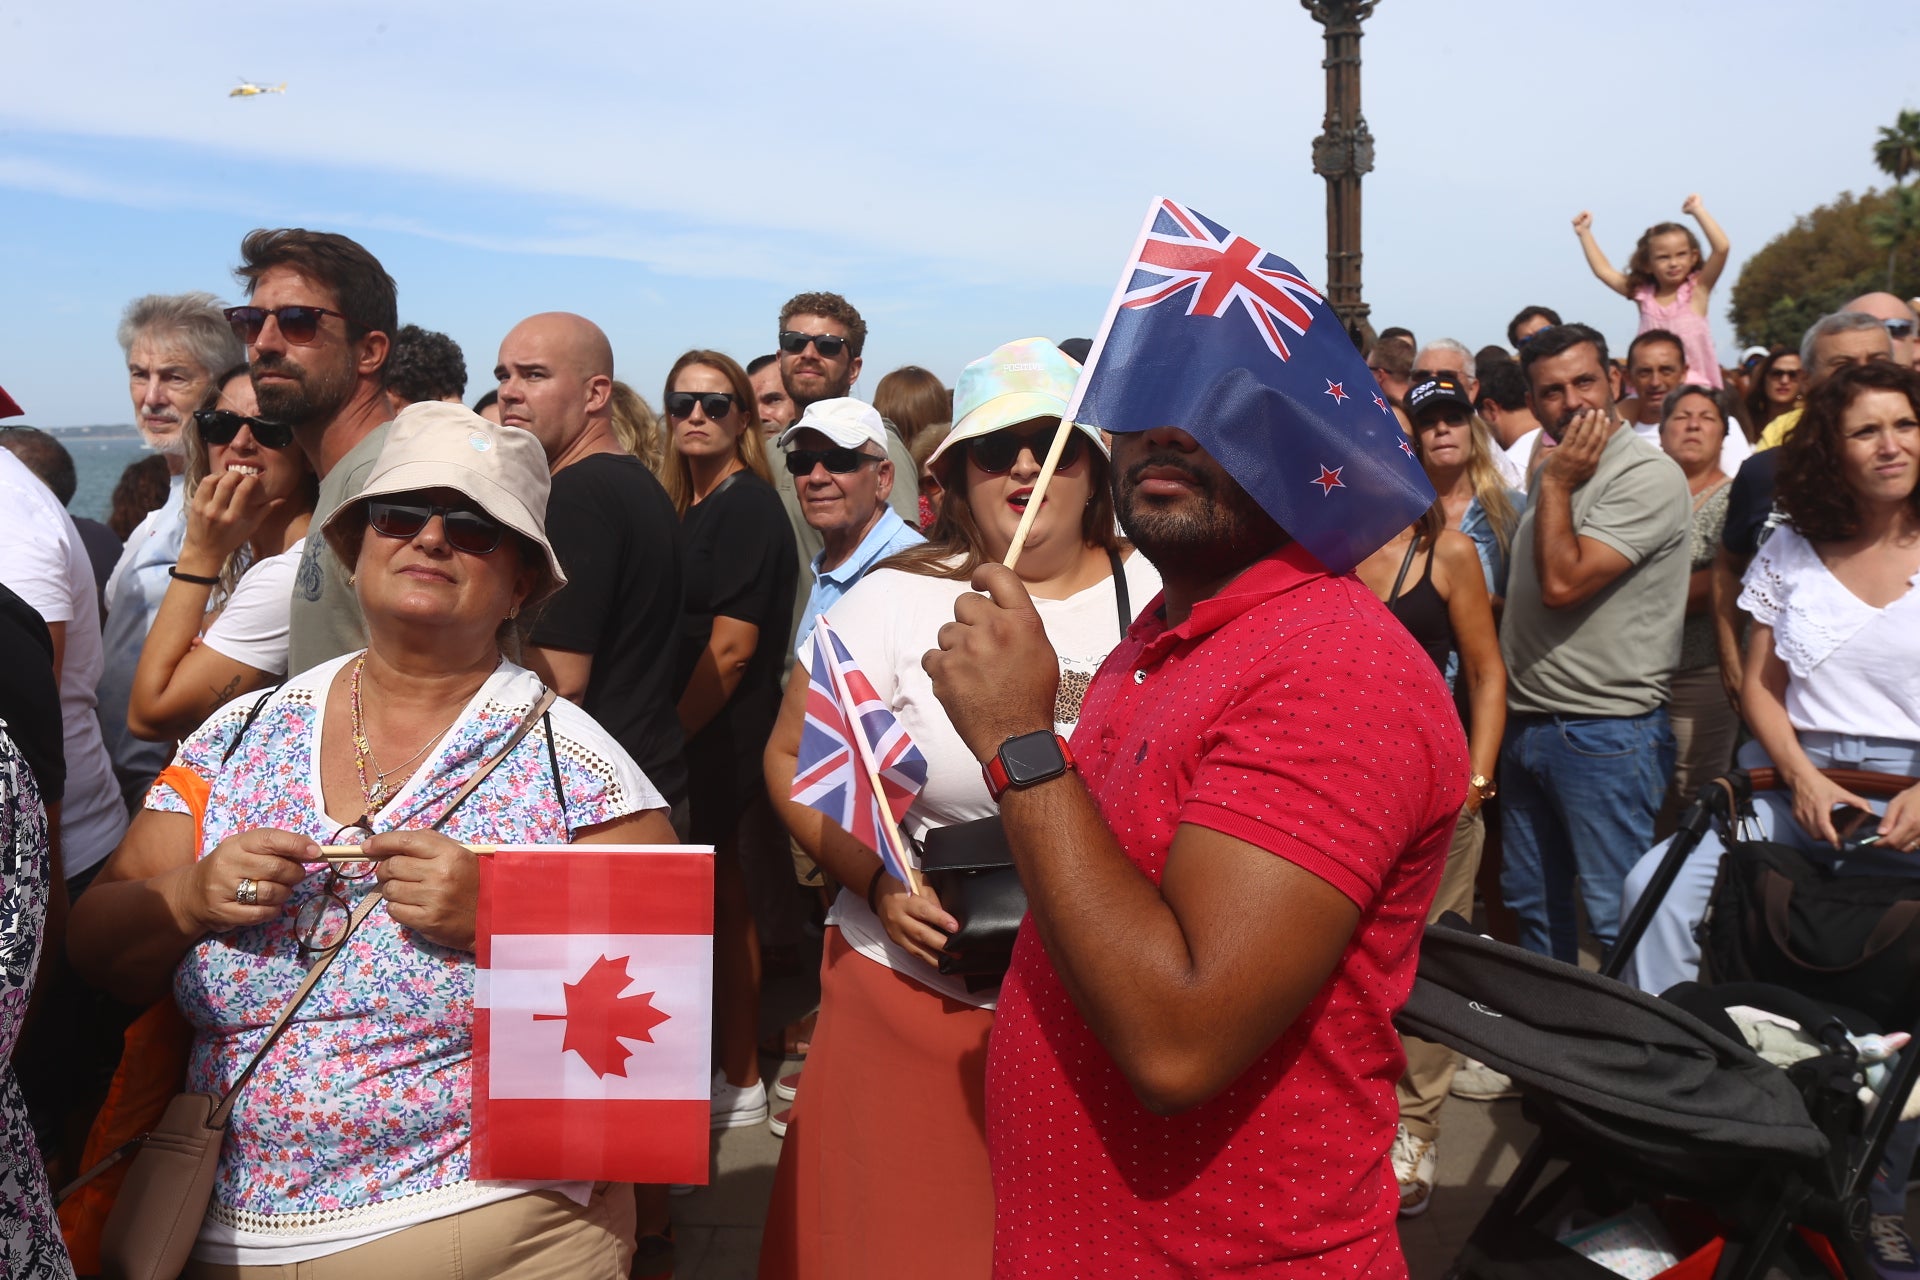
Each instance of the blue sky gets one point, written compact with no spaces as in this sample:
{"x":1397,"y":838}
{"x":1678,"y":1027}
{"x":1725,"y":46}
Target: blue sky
{"x":965,"y":174}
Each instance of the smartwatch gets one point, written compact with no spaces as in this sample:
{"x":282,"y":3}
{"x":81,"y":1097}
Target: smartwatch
{"x":1027,"y":760}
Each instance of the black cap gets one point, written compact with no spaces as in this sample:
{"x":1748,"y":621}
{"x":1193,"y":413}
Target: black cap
{"x":1441,"y":388}
{"x":1076,"y":349}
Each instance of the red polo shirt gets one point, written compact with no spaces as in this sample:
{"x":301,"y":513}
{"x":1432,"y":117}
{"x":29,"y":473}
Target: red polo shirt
{"x":1293,"y":712}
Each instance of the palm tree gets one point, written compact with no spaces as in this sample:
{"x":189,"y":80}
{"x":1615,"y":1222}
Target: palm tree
{"x":1897,"y":152}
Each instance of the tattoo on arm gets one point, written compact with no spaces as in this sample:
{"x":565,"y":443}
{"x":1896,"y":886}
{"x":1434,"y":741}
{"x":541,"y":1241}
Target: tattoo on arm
{"x":223,"y":696}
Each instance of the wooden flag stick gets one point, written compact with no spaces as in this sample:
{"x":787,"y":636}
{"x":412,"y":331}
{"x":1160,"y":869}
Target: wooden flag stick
{"x":358,"y":853}
{"x":1039,"y":493}
{"x":890,"y":830}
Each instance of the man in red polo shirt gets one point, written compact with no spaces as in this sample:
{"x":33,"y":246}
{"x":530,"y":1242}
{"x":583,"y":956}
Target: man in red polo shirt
{"x":1193,"y":1064}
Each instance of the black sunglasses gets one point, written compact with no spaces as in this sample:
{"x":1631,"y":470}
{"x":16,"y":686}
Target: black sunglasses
{"x":467,"y":530}
{"x":997,"y":453}
{"x":793,"y":342}
{"x":801,"y":462}
{"x":1899,"y":329}
{"x":299,"y":325}
{"x":220,"y":426}
{"x":715,"y":404}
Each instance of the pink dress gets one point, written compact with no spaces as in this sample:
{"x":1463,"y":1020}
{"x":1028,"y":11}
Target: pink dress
{"x":1681,"y":320}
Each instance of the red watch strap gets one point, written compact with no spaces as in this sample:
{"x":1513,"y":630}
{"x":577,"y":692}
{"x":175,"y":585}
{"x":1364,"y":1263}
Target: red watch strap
{"x":996,"y":772}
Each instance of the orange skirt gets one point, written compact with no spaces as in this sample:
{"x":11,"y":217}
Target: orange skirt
{"x":884,"y":1168}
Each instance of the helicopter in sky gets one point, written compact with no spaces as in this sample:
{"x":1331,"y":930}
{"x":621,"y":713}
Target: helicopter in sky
{"x":248,"y":89}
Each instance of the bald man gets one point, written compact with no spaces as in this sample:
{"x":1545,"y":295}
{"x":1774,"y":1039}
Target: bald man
{"x":608,"y":641}
{"x":1900,"y":320}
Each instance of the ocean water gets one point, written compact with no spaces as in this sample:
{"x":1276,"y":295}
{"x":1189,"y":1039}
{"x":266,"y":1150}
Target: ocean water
{"x":97,"y":464}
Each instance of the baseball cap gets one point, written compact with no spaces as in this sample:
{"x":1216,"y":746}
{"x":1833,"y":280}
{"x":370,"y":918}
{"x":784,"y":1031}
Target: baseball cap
{"x":1441,"y":388}
{"x":438,"y":445}
{"x":1014,"y":383}
{"x":847,"y":422}
{"x":1751,"y":354}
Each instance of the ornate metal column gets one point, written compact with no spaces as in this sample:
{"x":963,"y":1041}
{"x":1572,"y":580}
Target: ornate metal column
{"x":1341,"y":154}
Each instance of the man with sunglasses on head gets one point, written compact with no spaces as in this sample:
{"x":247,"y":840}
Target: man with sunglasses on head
{"x":174,"y":344}
{"x":608,"y":639}
{"x":318,"y":329}
{"x":821,"y":337}
{"x":836,"y":455}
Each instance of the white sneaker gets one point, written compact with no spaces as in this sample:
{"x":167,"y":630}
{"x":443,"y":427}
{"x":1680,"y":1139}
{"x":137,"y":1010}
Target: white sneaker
{"x":1480,"y":1082}
{"x":737,"y":1106}
{"x":1414,"y":1163}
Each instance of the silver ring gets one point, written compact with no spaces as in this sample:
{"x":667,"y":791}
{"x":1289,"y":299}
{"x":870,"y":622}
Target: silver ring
{"x":246,"y":893}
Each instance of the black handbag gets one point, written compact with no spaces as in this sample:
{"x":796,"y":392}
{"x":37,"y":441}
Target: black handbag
{"x":970,"y":866}
{"x":1780,"y":917}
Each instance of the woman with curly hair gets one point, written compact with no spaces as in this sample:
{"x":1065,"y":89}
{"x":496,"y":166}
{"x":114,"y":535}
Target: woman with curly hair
{"x":1833,"y":659}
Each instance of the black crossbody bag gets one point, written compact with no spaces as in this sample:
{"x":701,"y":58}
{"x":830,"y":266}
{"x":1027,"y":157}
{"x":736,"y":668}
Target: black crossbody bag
{"x":970,"y":865}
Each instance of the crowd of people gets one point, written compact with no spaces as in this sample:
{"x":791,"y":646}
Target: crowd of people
{"x":1235,"y":786}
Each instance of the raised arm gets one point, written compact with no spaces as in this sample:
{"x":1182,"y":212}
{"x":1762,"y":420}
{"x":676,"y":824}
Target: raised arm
{"x":1608,"y":275}
{"x":1718,"y":247}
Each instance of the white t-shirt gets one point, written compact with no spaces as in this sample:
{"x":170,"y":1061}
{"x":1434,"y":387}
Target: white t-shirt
{"x":1517,"y":459}
{"x":1734,"y":450}
{"x":1514,"y":473}
{"x":1855,"y":669}
{"x":44,"y":562}
{"x":888,"y":621}
{"x":252,"y":628}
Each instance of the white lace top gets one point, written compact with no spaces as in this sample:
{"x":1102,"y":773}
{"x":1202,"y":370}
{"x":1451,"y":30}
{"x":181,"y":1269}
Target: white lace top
{"x":1853,"y":669}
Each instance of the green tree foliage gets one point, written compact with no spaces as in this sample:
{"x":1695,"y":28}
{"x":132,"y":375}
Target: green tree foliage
{"x":1837,"y":252}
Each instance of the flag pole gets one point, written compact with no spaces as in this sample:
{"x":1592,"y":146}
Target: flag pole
{"x":889,"y":830}
{"x":1039,"y":493}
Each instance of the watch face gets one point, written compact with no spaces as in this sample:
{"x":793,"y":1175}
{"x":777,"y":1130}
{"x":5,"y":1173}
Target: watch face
{"x":1031,"y":758}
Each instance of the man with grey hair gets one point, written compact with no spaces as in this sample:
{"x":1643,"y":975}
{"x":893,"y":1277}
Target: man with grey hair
{"x":1451,"y":356}
{"x":176,"y":345}
{"x":1831,"y":344}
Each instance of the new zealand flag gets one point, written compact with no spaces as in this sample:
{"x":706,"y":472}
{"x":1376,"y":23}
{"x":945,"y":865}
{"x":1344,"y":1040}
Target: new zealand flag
{"x":1211,"y":333}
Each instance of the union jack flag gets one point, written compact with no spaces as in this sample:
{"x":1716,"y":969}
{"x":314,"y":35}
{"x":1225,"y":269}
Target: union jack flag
{"x":850,"y":737}
{"x":1183,"y":251}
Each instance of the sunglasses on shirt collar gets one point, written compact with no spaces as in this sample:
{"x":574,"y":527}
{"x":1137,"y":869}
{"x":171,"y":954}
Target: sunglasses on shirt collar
{"x":220,"y":426}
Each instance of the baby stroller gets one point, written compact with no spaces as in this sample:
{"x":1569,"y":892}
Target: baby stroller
{"x":1644,"y":1100}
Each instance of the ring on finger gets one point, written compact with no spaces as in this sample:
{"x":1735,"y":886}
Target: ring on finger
{"x":246,"y":893}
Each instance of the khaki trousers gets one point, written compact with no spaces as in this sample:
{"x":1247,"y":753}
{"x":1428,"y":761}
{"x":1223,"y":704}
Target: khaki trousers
{"x":538,"y":1236}
{"x":1706,"y":729}
{"x":1430,"y":1066}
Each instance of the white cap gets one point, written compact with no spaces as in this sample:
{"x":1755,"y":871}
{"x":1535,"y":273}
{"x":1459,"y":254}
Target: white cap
{"x":847,"y":422}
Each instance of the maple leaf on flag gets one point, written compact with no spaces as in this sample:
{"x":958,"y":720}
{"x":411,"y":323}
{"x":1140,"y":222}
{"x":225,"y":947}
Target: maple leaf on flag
{"x":598,"y":1017}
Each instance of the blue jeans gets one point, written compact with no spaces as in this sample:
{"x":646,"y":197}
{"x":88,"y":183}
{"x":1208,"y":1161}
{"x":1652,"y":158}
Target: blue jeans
{"x":1578,"y":797}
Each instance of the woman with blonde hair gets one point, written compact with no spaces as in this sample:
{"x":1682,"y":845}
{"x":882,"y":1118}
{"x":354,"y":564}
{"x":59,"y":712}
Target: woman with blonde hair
{"x":1456,"y":447}
{"x":636,"y":427}
{"x":742,"y":568}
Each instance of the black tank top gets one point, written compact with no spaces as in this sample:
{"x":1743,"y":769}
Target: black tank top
{"x":1421,"y":610}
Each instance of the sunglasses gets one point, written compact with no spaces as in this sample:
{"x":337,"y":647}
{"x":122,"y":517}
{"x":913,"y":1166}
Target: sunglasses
{"x":997,"y":453}
{"x":220,"y":426}
{"x":793,"y":342}
{"x":715,"y":404}
{"x":298,"y":325}
{"x":1899,"y":329}
{"x":466,"y":529}
{"x":840,"y":462}
{"x":1785,"y":375}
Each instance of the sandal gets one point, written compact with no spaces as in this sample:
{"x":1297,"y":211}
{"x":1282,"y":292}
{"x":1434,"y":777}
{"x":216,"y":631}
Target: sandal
{"x":792,"y":1041}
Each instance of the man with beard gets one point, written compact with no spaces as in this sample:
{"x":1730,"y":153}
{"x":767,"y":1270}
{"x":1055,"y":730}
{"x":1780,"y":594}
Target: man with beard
{"x":318,"y":332}
{"x":175,"y":346}
{"x":1591,"y":635}
{"x":1224,"y":912}
{"x":821,"y":337}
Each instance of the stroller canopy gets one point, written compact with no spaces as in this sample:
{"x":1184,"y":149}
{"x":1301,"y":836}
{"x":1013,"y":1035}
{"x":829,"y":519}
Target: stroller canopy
{"x":1626,"y":1062}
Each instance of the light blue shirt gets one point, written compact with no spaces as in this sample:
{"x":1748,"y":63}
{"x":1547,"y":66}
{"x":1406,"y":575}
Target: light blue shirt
{"x":134,"y":593}
{"x":889,"y":534}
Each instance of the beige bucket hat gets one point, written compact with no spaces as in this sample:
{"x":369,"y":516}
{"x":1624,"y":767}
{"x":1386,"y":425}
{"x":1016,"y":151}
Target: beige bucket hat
{"x":438,"y":445}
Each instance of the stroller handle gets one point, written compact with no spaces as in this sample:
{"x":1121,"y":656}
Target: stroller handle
{"x":1864,"y":782}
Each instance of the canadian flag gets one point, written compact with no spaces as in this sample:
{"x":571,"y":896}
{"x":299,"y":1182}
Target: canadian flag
{"x":593,"y":1012}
